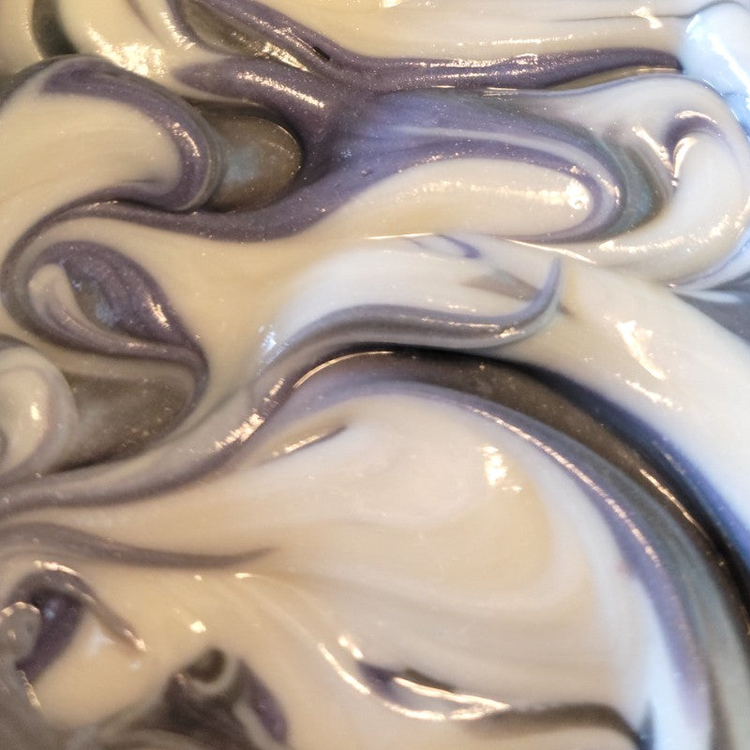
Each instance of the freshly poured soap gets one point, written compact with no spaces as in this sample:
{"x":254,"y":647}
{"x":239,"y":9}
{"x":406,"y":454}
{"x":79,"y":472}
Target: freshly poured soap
{"x":374,"y":374}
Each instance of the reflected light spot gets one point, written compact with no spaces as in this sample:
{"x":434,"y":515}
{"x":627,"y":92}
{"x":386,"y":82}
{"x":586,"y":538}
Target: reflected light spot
{"x":637,"y":340}
{"x":647,"y":14}
{"x":472,"y":706}
{"x":345,"y":676}
{"x":143,"y":59}
{"x":158,"y":312}
{"x":576,"y":195}
{"x":240,"y":434}
{"x":346,"y":643}
{"x":304,"y":443}
{"x":660,"y":150}
{"x":653,"y":396}
{"x":266,"y":82}
{"x":495,"y":469}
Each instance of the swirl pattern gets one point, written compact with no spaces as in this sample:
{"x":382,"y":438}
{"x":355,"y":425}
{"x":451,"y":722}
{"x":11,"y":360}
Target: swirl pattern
{"x":385,"y":356}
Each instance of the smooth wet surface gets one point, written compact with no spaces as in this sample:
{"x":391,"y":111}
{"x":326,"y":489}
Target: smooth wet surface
{"x":386,"y":356}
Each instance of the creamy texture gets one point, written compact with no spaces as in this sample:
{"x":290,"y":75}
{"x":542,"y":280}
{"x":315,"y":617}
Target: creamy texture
{"x":374,"y":374}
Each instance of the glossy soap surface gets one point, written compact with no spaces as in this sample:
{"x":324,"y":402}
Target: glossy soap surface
{"x":374,"y":374}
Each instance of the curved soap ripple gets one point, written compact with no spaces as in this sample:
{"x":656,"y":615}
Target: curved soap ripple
{"x":625,"y":185}
{"x":88,"y":297}
{"x":157,"y":38}
{"x":460,"y":253}
{"x":639,"y":357}
{"x":636,"y":357}
{"x":686,"y":678}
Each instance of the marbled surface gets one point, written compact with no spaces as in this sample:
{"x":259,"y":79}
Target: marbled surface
{"x":374,"y":374}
